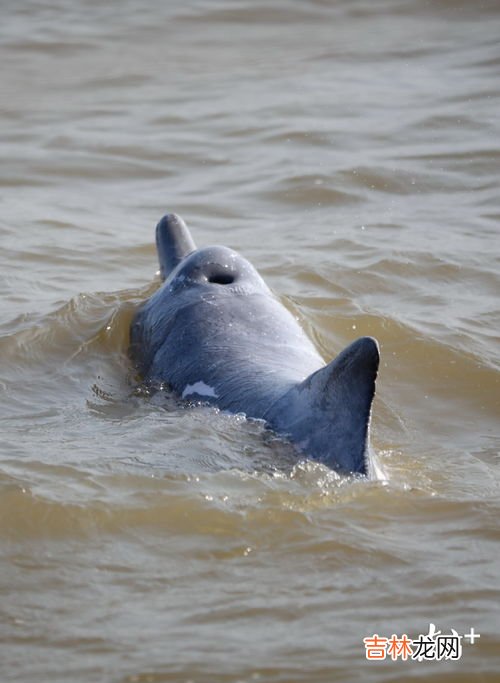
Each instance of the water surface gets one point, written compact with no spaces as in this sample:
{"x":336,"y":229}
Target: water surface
{"x":351,"y":151}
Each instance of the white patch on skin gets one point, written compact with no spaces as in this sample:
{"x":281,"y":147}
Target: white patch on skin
{"x":199,"y":388}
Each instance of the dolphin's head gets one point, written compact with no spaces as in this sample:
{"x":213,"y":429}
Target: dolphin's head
{"x":220,"y":271}
{"x":216,"y":283}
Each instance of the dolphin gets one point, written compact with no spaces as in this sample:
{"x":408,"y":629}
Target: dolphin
{"x":215,"y":333}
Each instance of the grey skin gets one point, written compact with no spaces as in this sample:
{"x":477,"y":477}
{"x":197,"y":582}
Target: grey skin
{"x":215,"y":333}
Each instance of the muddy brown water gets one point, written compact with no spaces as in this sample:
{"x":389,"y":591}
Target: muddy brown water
{"x":351,"y":151}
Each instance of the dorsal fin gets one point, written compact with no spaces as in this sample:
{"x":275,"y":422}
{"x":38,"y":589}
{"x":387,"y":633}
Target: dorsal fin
{"x":328,"y":414}
{"x":173,"y":242}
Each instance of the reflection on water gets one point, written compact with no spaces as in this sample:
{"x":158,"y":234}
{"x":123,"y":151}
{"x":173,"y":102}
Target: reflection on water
{"x":350,"y":151}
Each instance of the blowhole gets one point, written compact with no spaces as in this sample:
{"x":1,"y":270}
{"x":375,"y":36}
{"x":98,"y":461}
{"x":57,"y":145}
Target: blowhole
{"x":221,"y":278}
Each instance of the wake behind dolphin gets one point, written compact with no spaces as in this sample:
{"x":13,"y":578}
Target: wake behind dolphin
{"x":214,"y":332}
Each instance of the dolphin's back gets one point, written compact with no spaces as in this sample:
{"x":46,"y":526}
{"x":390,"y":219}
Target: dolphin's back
{"x":328,"y":414}
{"x":244,"y":348}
